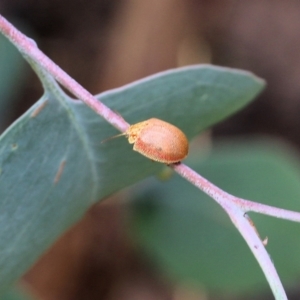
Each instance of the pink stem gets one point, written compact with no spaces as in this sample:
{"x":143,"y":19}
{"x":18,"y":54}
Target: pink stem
{"x":235,"y":207}
{"x":29,"y":48}
{"x":224,"y":199}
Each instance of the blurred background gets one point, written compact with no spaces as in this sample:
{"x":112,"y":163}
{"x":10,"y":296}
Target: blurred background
{"x":104,"y":44}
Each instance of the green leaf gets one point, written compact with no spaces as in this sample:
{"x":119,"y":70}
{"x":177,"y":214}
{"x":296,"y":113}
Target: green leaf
{"x":192,"y":239}
{"x":53,"y":165}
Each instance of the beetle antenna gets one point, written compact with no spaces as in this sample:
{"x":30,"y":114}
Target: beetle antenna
{"x":113,"y":137}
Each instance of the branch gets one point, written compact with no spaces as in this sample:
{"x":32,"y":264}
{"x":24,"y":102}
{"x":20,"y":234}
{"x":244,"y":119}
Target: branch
{"x":223,"y":198}
{"x":268,"y":210}
{"x":29,"y":48}
{"x":235,"y":207}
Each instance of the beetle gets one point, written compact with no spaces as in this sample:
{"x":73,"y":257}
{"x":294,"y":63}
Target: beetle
{"x":158,"y":140}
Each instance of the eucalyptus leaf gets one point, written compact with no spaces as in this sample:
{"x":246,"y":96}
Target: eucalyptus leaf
{"x":53,"y":165}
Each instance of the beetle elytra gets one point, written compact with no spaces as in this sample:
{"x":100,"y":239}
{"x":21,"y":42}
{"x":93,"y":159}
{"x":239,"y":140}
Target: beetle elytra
{"x":158,"y":140}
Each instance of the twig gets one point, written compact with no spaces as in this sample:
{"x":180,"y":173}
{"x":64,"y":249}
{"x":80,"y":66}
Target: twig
{"x":29,"y":48}
{"x":223,"y":198}
{"x":235,"y":207}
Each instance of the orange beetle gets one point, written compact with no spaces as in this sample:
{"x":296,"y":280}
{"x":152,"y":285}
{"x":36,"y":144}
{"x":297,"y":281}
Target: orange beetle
{"x":158,"y":140}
